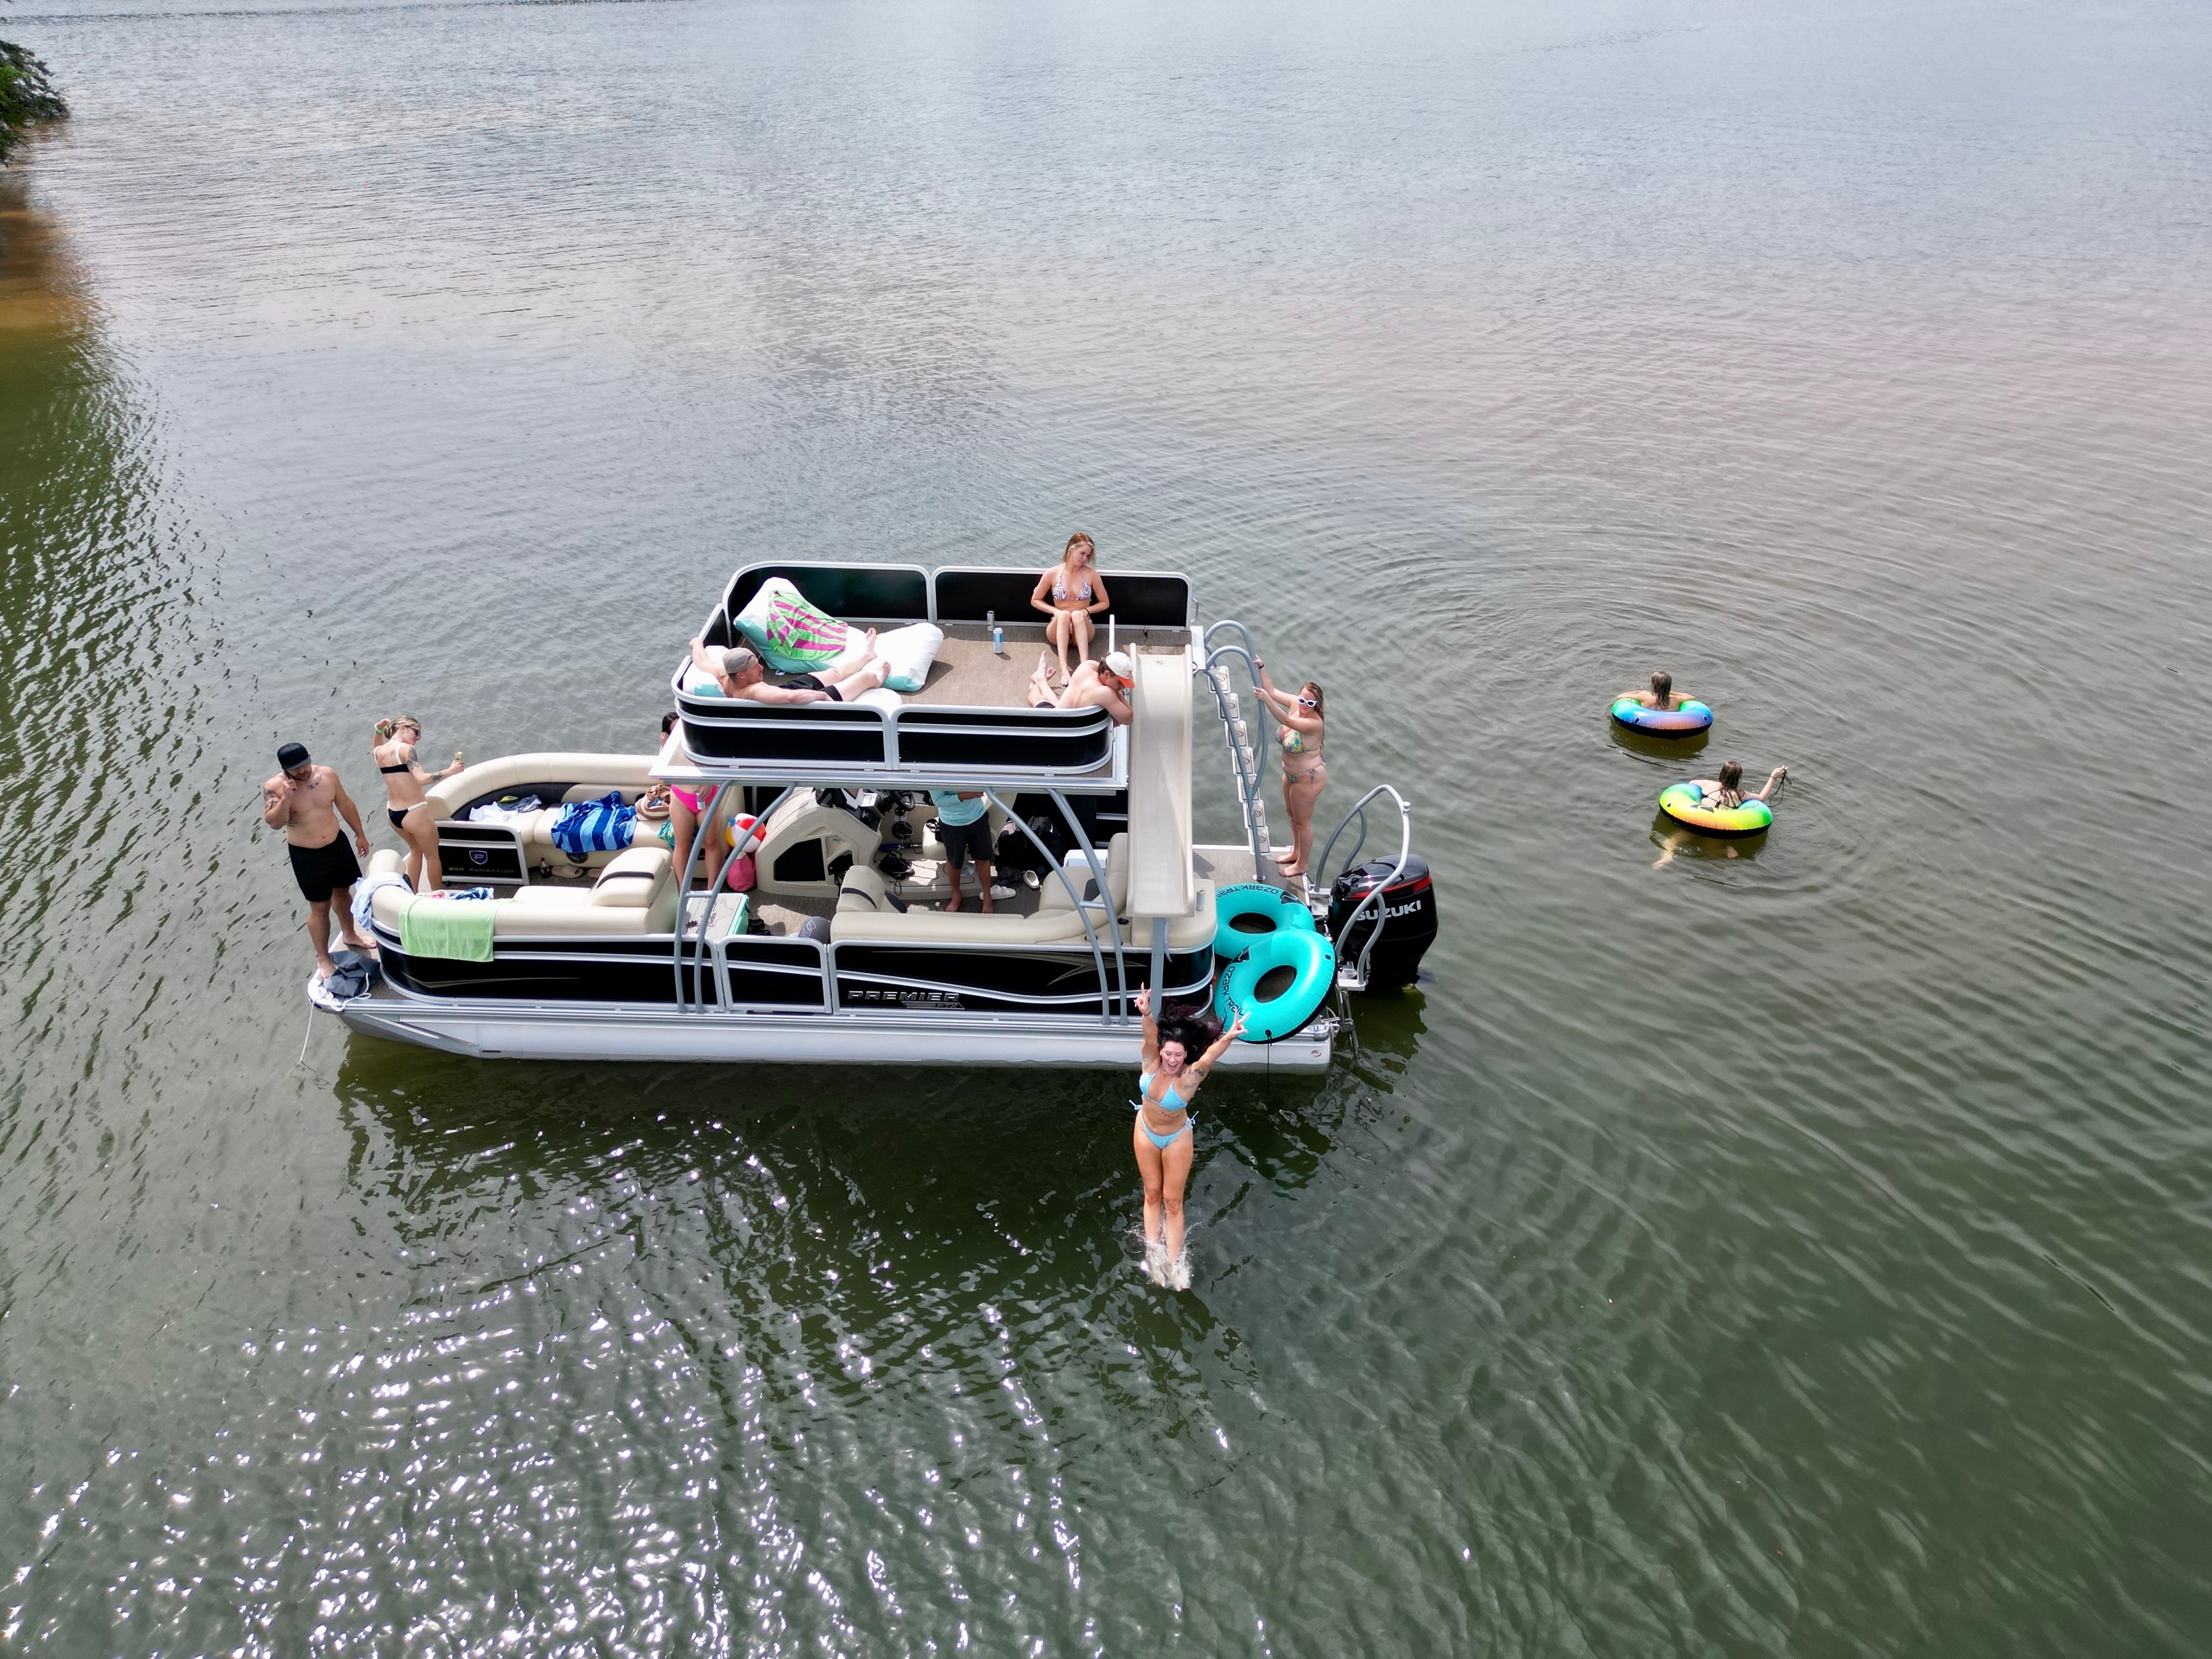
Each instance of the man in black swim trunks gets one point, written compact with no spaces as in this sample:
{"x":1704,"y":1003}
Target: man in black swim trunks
{"x":736,"y":672}
{"x":304,"y":801}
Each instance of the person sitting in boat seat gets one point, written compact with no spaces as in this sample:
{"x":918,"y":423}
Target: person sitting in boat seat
{"x":736,"y":672}
{"x":1093,"y":685}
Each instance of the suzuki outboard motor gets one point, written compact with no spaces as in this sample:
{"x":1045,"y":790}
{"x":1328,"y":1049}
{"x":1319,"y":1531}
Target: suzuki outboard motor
{"x":1405,"y":913}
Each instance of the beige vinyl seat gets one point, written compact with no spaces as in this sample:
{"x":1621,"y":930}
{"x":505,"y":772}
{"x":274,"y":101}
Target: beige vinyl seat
{"x":631,"y":774}
{"x":866,"y":914}
{"x":635,"y":893}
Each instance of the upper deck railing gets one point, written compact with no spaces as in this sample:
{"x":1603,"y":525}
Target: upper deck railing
{"x":737,"y":739}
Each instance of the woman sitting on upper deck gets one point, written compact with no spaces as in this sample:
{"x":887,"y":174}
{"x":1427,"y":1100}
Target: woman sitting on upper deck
{"x":736,"y":672}
{"x":1071,"y":592}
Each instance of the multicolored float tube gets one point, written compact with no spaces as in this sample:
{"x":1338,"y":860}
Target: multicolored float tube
{"x":1684,"y":803}
{"x":1279,"y":984}
{"x":1691,"y":718}
{"x":1252,"y":911}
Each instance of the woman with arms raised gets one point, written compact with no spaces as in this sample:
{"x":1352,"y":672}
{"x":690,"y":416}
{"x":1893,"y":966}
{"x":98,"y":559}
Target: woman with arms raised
{"x":1072,"y":592}
{"x":1163,"y":1138}
{"x":1304,"y":774}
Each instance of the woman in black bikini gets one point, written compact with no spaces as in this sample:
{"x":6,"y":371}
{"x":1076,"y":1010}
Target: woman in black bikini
{"x":407,"y":787}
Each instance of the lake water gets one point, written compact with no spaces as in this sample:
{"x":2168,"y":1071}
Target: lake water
{"x":1804,"y":1252}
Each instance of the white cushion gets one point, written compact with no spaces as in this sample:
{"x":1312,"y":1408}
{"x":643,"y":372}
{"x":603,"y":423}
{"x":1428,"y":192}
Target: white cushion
{"x":908,"y":652}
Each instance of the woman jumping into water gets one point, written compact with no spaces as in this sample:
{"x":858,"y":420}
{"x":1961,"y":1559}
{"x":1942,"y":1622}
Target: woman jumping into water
{"x":1163,"y":1138}
{"x":1072,"y":592}
{"x":1304,"y":774}
{"x":407,"y":785}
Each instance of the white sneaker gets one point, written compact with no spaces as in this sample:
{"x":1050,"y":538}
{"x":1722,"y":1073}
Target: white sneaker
{"x":1029,"y":879}
{"x":999,"y":891}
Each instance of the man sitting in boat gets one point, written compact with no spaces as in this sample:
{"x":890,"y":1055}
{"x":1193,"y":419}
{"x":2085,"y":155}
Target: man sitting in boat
{"x":1093,"y":685}
{"x":736,"y":672}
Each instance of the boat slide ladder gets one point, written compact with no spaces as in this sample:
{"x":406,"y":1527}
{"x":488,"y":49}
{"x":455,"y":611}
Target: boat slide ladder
{"x":1244,"y":754}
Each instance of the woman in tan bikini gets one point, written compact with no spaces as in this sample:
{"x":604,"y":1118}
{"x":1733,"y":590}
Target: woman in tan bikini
{"x":406,"y":786}
{"x":1072,"y":592}
{"x":1304,"y":774}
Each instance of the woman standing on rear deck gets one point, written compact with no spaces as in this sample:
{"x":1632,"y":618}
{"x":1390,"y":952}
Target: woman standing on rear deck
{"x":1163,"y":1138}
{"x":1304,"y":771}
{"x":407,"y":787}
{"x":1072,"y":592}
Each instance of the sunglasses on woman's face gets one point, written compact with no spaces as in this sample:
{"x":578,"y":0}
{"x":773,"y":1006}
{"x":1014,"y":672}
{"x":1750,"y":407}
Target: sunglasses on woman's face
{"x":1307,"y":702}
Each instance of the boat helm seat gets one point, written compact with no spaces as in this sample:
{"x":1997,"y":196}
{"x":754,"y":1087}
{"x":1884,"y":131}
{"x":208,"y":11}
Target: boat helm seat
{"x":1052,"y":893}
{"x":865,"y":892}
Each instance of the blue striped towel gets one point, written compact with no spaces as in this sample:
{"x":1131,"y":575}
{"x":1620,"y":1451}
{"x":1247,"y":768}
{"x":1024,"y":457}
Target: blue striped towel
{"x":600,"y":826}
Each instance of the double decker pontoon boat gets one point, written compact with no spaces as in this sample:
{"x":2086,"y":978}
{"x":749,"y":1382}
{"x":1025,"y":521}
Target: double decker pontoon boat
{"x":835,"y":953}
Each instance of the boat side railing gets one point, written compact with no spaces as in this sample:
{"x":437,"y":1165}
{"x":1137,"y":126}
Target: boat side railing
{"x":1106,"y":899}
{"x":1358,"y":975}
{"x":741,"y":846}
{"x":1082,"y":912}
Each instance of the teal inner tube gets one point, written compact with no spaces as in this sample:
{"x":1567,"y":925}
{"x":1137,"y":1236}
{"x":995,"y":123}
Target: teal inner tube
{"x":1279,"y":984}
{"x":1252,"y":911}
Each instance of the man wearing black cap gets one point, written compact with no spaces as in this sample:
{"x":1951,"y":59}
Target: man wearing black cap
{"x":304,"y":800}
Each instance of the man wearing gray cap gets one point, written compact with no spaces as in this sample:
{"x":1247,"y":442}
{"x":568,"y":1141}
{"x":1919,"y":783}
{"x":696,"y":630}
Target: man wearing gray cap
{"x":1093,"y":685}
{"x":734,"y":671}
{"x":304,"y":800}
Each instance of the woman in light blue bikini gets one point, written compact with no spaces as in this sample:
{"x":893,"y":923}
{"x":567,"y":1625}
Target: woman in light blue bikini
{"x":1163,"y":1136}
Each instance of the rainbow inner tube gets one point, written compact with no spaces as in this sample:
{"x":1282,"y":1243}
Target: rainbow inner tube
{"x":1687,"y":721}
{"x":1682,"y":802}
{"x":1253,"y":910}
{"x":1279,"y":984}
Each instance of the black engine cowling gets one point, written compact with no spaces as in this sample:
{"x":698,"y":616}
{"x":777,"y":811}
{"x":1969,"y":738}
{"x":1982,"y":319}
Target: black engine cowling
{"x":1405,"y":913}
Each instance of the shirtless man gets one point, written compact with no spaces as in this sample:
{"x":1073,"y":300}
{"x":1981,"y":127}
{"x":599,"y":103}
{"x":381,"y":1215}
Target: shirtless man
{"x":1093,"y":685}
{"x":304,"y":801}
{"x":737,"y":672}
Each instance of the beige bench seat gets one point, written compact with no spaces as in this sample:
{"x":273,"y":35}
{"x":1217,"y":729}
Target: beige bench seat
{"x":590,"y":777}
{"x":865,"y":914}
{"x":634,"y":894}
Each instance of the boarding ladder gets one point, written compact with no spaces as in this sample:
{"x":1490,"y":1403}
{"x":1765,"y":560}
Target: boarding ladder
{"x":1244,"y":752}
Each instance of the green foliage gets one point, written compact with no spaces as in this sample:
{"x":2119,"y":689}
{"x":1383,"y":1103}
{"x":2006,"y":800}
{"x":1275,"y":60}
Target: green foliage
{"x":27,"y":94}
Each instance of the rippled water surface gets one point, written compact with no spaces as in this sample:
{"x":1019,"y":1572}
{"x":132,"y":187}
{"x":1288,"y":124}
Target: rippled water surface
{"x":1803,"y":1252}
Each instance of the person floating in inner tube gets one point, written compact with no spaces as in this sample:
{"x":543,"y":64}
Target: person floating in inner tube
{"x":1163,"y":1137}
{"x":1721,"y":794}
{"x":1304,"y":774}
{"x":1661,"y":695}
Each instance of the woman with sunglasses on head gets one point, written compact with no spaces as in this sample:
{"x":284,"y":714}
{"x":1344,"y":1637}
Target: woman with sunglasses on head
{"x":1071,"y":594}
{"x":1304,"y":774}
{"x":407,"y":789}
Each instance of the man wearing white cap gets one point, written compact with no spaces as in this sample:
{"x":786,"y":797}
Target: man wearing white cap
{"x":1093,"y":685}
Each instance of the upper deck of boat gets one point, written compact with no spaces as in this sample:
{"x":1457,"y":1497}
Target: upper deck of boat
{"x":973,"y":718}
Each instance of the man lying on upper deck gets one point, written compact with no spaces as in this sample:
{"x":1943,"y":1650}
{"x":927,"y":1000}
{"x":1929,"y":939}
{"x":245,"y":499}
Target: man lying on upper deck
{"x":1093,"y":685}
{"x":736,"y":672}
